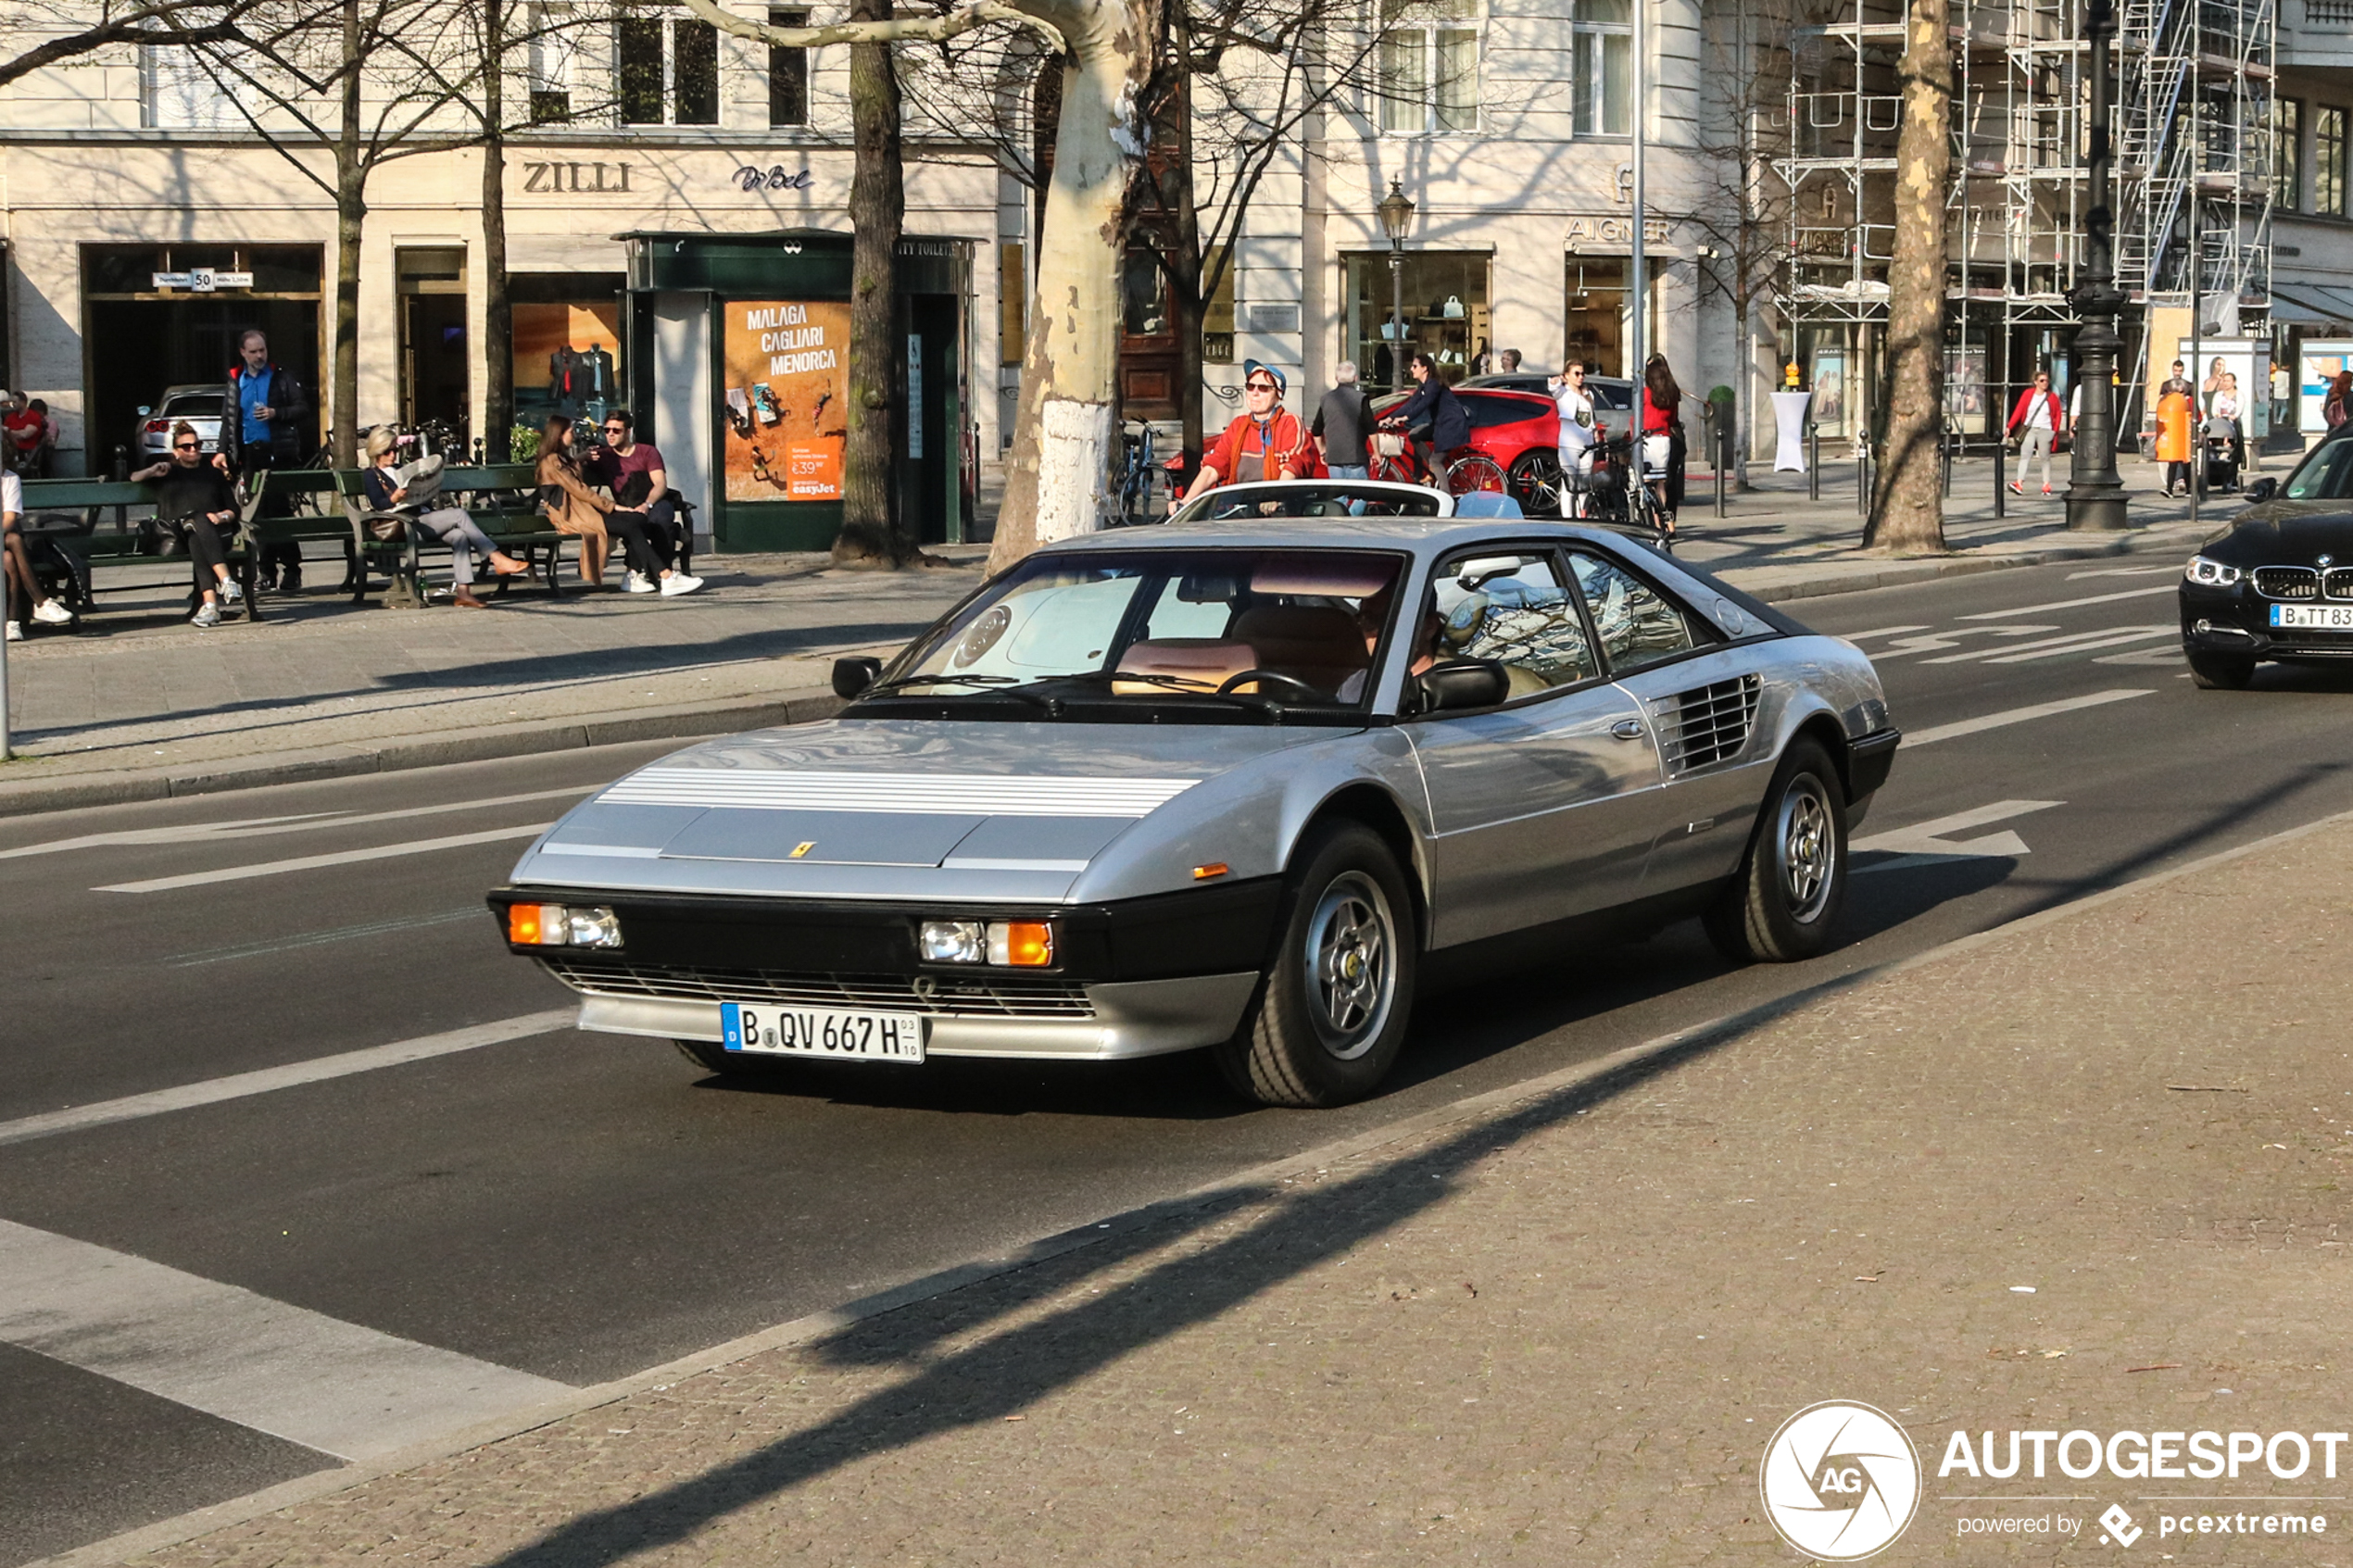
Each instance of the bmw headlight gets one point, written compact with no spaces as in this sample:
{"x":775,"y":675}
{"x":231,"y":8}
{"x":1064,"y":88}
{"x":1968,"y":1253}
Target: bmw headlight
{"x":2210,"y":573}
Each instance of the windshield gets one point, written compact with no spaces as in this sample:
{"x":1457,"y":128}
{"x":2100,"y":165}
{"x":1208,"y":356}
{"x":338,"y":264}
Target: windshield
{"x":1211,"y":631}
{"x":1337,"y":498}
{"x":2326,"y":475}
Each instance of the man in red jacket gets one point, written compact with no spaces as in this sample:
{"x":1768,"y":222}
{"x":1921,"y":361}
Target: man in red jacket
{"x":1265,"y":442}
{"x":2039,"y":415}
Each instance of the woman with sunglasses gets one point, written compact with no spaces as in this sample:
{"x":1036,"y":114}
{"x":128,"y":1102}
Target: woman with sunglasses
{"x":1433,"y":416}
{"x":196,"y":496}
{"x":572,"y":507}
{"x":1266,"y":442}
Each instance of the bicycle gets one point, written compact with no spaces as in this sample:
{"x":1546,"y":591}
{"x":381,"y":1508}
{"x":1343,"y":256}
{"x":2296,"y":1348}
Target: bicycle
{"x":1467,"y":469}
{"x":1135,"y":474}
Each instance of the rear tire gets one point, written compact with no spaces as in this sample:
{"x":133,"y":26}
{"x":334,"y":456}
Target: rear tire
{"x":1782,"y":903}
{"x":2220,"y":671}
{"x":1538,"y":482}
{"x":1332,"y":1012}
{"x":1475,"y":474}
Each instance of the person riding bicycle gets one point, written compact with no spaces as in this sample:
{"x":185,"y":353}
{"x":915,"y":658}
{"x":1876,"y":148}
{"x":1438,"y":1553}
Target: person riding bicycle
{"x":1433,"y":409}
{"x":1265,"y":441}
{"x":1663,"y":449}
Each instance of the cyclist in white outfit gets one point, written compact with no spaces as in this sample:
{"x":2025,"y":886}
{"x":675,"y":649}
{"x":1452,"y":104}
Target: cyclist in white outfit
{"x":1577,"y":437}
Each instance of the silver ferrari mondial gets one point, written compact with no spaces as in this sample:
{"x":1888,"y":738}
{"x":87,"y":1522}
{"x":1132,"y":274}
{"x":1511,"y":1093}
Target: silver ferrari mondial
{"x":1239,"y":782}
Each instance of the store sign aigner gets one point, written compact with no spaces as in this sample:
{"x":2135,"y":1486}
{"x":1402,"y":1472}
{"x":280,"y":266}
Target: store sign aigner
{"x":202,"y":280}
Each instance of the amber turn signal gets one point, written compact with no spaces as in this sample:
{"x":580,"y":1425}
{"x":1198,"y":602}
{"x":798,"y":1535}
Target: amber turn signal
{"x":536,"y":925}
{"x":1214,"y":867}
{"x":1021,"y":944}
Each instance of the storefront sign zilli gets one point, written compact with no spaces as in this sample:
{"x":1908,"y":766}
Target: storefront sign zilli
{"x":585,"y":178}
{"x":1607,"y":229}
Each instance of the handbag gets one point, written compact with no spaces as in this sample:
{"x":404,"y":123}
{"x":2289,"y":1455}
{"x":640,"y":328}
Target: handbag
{"x":163,"y":536}
{"x":386,"y":527}
{"x":1389,"y":444}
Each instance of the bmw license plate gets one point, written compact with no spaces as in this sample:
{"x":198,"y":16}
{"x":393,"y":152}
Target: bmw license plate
{"x":2314,"y":618}
{"x":821,"y":1032}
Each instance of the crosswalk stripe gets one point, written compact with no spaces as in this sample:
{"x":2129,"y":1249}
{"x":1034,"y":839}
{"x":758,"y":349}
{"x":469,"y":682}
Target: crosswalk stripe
{"x":2071,"y":604}
{"x":2084,"y":645}
{"x":312,"y":863}
{"x":1914,"y":741}
{"x":336,"y":1386}
{"x":2008,"y":652}
{"x":201,"y":833}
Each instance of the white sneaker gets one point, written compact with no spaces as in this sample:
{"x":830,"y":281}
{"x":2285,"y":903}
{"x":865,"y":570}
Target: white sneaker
{"x":678,"y":582}
{"x":231,"y":592}
{"x":50,"y":612}
{"x":640,"y":584}
{"x":16,"y":633}
{"x":207,"y":618}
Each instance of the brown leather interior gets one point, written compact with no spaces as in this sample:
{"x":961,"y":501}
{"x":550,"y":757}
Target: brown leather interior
{"x":1321,"y":645}
{"x":1211,"y":661}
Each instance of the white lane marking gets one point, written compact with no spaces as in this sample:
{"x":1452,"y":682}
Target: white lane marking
{"x":1929,"y":843}
{"x":312,"y":863}
{"x":2057,"y":645}
{"x":2017,"y":716}
{"x":198,"y":833}
{"x":2127,"y":571}
{"x":1951,"y":639}
{"x":320,"y":938}
{"x":267,"y":1080}
{"x":2086,"y":645}
{"x":329,"y":1385}
{"x":2069,"y":604}
{"x":2166,"y":656}
{"x":1878,"y":631}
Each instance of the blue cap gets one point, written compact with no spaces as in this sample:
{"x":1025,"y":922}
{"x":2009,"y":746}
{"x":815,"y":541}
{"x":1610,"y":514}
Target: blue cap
{"x":1251,"y":367}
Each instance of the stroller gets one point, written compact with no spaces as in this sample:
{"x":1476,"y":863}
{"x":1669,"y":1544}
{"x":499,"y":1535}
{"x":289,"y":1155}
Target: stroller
{"x":2221,"y":454}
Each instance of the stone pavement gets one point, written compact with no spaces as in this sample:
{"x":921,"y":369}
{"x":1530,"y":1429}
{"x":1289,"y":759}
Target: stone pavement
{"x":137,"y":705}
{"x":2083,"y":1173}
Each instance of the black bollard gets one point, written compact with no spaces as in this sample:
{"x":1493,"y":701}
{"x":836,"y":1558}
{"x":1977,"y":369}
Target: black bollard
{"x":2001,"y":479}
{"x":1863,"y":478}
{"x":1813,"y":461}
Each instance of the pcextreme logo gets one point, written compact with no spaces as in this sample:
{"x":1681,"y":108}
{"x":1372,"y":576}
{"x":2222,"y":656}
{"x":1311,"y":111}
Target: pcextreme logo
{"x":1839,"y":1480}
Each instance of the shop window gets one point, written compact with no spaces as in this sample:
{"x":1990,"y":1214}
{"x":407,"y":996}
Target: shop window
{"x":2287,"y":154}
{"x":1429,"y":75}
{"x":788,"y":74}
{"x":1596,"y":315}
{"x":1603,"y":68}
{"x":1012,"y":298}
{"x":669,"y":71}
{"x":2328,"y":161}
{"x":566,"y":353}
{"x":1445,"y":312}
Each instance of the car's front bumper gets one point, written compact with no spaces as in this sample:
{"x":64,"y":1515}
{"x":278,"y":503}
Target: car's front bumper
{"x":1130,"y":1019}
{"x":2235,"y":621}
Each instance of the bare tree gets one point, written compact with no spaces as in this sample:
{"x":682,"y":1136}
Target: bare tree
{"x":43,"y":34}
{"x":1907,"y":503}
{"x":871,"y":525}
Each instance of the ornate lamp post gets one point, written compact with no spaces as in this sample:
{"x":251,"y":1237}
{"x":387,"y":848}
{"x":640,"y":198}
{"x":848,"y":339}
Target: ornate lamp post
{"x":1396,"y":221}
{"x":2096,"y":497}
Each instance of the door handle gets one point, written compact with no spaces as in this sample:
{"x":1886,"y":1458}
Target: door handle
{"x":1627,"y":728}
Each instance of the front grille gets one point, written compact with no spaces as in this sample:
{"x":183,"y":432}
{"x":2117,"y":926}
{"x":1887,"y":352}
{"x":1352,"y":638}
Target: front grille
{"x":2287,"y":581}
{"x":2338,"y":582}
{"x":952,"y":997}
{"x":1711,"y":724}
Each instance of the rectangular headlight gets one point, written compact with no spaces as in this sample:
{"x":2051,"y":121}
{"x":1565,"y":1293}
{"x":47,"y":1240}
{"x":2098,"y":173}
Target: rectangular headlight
{"x":594,"y":928}
{"x":953,"y":941}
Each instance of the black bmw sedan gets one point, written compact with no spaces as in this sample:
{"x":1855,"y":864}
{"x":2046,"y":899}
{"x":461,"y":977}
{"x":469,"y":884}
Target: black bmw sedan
{"x":2276,"y":584}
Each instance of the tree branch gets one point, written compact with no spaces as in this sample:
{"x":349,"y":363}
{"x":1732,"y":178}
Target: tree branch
{"x":964,"y":19}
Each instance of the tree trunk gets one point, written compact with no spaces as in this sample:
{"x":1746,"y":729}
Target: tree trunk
{"x":497,"y":310}
{"x":871,"y":530}
{"x":1058,"y":483}
{"x":1907,"y":506}
{"x":351,"y":215}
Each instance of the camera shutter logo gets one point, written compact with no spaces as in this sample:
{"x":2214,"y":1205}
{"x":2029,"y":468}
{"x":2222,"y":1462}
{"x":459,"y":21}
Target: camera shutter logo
{"x":1839,"y":1480}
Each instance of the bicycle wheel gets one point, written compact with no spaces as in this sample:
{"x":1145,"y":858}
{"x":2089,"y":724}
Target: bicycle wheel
{"x":1476,"y":473}
{"x":1394,"y":468}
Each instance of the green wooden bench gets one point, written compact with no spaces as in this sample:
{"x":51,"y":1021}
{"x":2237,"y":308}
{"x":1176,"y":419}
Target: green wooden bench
{"x":502,"y":499}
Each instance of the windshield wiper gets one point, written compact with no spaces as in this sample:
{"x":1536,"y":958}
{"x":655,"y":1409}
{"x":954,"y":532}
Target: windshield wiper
{"x":1255,"y":702}
{"x":993,"y":685}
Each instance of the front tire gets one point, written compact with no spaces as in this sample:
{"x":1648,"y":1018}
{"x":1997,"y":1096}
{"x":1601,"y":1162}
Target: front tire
{"x":1332,"y":1012}
{"x":1536,"y":480}
{"x":2220,"y":671}
{"x":1782,"y":906}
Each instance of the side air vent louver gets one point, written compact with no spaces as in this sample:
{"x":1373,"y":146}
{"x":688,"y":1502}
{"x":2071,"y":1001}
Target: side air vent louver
{"x":1711,"y":724}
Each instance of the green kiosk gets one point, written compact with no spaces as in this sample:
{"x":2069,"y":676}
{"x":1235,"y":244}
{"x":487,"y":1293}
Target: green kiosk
{"x":737,"y":357}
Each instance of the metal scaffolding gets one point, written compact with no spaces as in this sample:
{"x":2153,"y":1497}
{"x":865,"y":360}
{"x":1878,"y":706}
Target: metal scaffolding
{"x":2193,"y":138}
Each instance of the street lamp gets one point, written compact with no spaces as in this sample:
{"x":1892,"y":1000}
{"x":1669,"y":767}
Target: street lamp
{"x":2096,"y":497}
{"x":1396,"y":221}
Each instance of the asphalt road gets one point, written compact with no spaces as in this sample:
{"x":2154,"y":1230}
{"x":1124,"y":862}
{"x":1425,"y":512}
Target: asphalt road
{"x":560,"y":1208}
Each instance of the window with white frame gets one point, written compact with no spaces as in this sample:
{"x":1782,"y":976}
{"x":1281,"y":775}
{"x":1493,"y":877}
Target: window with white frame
{"x":2328,"y":161}
{"x":177,"y":91}
{"x":668,"y":70}
{"x":551,"y":52}
{"x":1428,"y":78}
{"x":1602,"y":70}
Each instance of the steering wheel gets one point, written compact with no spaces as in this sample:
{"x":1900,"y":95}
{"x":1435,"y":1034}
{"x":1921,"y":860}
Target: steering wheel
{"x":1263,"y":677}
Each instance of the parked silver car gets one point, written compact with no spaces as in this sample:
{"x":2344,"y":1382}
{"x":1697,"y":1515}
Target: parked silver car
{"x":197,"y":403}
{"x":1242,"y":782}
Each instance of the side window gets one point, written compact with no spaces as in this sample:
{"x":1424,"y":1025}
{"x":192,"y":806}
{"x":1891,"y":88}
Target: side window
{"x":1638,"y":624}
{"x":1510,"y":606}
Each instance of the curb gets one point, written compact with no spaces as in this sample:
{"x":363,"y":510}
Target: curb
{"x":28,"y":797}
{"x":1593,"y":1078}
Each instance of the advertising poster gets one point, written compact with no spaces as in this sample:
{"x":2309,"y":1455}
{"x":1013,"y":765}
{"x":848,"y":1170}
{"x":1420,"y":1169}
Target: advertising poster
{"x":2322,"y":361}
{"x":787,"y":399}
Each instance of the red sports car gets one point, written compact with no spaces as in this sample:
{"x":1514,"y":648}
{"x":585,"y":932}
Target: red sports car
{"x":1515,"y":447}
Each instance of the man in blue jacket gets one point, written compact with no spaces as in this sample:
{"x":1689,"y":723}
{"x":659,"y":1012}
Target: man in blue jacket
{"x":262,"y":428}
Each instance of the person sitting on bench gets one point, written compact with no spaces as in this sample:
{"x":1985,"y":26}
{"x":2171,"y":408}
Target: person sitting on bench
{"x":448,"y":525}
{"x":22,"y":583}
{"x":193,"y":495}
{"x":643,"y":513}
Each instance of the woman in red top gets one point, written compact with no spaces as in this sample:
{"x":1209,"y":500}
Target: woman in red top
{"x":2038,"y":413}
{"x":1663,"y":445}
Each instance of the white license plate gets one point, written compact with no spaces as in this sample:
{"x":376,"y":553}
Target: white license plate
{"x":2314,"y":618}
{"x":821,"y":1032}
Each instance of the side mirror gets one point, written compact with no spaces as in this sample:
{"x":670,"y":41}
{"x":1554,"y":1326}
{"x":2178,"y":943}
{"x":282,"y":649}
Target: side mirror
{"x":1462,"y":683}
{"x":854,"y":675}
{"x":2261,"y":490}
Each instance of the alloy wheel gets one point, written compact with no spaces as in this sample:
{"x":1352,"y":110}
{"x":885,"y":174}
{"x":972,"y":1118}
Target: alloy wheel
{"x":1808,"y":848}
{"x":1352,"y":969}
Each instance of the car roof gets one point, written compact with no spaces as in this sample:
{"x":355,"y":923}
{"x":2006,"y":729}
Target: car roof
{"x":1422,"y":536}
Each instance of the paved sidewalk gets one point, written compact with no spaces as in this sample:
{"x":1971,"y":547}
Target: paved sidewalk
{"x":137,"y":705}
{"x":2083,"y":1173}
